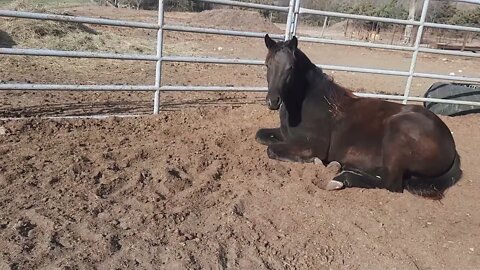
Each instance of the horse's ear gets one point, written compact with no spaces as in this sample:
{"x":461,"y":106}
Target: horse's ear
{"x":269,"y":42}
{"x":292,"y":43}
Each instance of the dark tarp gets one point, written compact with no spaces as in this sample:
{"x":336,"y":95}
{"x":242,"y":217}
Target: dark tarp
{"x":453,"y":91}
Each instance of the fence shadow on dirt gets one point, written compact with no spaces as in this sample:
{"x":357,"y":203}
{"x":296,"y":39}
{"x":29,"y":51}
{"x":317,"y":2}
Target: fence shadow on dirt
{"x":83,"y":109}
{"x":206,"y":102}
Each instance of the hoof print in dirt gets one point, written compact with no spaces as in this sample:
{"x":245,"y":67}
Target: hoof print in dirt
{"x":115,"y":244}
{"x":103,"y":191}
{"x":110,"y":187}
{"x":55,"y":242}
{"x":177,"y":180}
{"x":54,"y":180}
{"x":24,"y":227}
{"x":3,"y":225}
{"x":97,"y":177}
{"x":238,"y":209}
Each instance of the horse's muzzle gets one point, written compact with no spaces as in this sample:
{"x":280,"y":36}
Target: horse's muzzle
{"x":274,"y":103}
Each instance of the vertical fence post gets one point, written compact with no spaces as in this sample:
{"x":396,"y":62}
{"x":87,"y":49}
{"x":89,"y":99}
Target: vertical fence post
{"x":418,"y":40}
{"x":288,"y":26}
{"x":296,"y":14}
{"x":158,"y":68}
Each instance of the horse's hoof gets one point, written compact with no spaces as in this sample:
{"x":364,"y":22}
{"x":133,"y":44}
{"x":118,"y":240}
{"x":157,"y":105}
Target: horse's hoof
{"x":317,"y":161}
{"x":334,"y":185}
{"x":334,"y":166}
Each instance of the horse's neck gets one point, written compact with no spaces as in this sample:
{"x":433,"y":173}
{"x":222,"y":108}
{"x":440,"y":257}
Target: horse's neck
{"x":306,"y":89}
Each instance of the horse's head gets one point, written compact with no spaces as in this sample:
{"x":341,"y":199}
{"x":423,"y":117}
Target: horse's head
{"x":280,"y":63}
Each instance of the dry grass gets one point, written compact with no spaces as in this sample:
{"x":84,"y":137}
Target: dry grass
{"x":24,"y":33}
{"x":30,"y":5}
{"x":69,"y":36}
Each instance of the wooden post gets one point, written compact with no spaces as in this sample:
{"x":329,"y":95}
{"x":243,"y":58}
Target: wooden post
{"x":465,"y":37}
{"x":324,"y":26}
{"x":393,"y":35}
{"x":346,"y":28}
{"x":408,"y":28}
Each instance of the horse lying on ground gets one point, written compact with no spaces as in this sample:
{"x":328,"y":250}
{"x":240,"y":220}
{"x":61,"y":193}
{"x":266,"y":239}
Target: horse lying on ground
{"x":379,"y":144}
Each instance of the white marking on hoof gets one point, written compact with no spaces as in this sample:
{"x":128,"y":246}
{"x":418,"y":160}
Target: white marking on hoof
{"x":334,"y":185}
{"x":334,"y":166}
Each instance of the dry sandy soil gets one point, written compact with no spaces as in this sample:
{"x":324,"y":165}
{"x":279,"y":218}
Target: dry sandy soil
{"x":190,"y":188}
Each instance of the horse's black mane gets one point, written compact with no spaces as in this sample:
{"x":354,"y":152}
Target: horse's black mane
{"x":334,"y":93}
{"x":303,"y":60}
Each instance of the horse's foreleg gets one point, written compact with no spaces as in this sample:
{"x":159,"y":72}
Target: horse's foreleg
{"x":268,"y":136}
{"x":293,"y":152}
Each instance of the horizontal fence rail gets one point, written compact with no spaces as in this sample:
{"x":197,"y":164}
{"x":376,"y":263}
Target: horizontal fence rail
{"x":188,"y":88}
{"x":75,"y":87}
{"x":356,"y":17}
{"x":77,"y":54}
{"x":77,"y":19}
{"x":470,"y":1}
{"x":452,"y":27}
{"x":293,"y":10}
{"x":355,"y":43}
{"x":385,"y":46}
{"x":211,"y":60}
{"x":182,"y":28}
{"x":246,"y":4}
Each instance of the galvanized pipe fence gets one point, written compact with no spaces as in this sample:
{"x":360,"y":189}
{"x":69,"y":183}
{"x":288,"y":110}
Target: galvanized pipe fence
{"x":293,"y":10}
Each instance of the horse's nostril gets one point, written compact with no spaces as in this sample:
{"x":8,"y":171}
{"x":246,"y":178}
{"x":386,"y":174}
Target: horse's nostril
{"x":273,"y":103}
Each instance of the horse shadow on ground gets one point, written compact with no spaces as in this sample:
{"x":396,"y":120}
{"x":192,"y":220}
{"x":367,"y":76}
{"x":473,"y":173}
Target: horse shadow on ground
{"x":6,"y":41}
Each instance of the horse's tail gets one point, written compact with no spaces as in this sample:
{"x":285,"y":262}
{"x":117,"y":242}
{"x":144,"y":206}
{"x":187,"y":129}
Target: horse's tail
{"x":434,"y":188}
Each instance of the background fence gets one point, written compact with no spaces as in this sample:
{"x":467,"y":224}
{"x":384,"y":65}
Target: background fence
{"x":294,"y":10}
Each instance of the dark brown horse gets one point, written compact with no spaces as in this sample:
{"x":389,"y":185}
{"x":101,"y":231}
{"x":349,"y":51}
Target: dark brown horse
{"x":379,"y":144}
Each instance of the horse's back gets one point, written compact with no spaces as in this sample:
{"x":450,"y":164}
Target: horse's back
{"x":414,"y":118}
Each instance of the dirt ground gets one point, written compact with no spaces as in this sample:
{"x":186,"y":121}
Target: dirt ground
{"x":190,"y":188}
